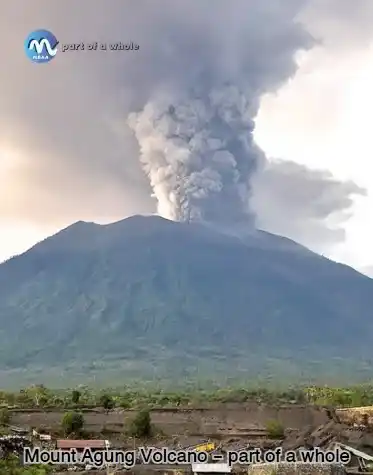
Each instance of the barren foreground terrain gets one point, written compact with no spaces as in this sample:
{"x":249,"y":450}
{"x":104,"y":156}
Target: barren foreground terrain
{"x":231,"y":426}
{"x":187,"y":425}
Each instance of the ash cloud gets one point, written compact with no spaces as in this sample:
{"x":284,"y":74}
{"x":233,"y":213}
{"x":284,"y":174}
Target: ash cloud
{"x":197,"y":143}
{"x":199,"y":156}
{"x":195,"y":131}
{"x":315,"y":194}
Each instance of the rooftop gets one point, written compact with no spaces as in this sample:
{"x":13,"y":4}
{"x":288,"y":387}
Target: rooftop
{"x":81,"y":444}
{"x":211,"y":468}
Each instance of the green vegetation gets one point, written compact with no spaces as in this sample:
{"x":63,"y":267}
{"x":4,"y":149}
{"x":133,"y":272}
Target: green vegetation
{"x":137,"y":398}
{"x":107,"y":402}
{"x":75,"y":396}
{"x":154,"y":300}
{"x":354,"y":396}
{"x":11,"y":466}
{"x":275,"y":429}
{"x":72,"y":423}
{"x":140,"y":426}
{"x":4,"y":416}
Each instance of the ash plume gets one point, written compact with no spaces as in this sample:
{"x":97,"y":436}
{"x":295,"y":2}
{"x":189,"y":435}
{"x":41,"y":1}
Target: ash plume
{"x":327,"y":202}
{"x":195,"y":130}
{"x":199,"y":155}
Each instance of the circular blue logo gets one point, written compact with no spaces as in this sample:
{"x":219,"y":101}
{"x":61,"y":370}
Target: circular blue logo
{"x":41,"y":46}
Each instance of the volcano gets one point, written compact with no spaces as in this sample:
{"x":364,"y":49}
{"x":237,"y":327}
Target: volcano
{"x":147,"y":298}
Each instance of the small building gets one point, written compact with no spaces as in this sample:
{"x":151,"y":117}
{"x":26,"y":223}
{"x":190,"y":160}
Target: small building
{"x":211,"y":468}
{"x":81,"y":445}
{"x":19,"y":430}
{"x":41,"y":436}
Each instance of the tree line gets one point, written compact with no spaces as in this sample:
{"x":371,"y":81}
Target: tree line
{"x":39,"y":396}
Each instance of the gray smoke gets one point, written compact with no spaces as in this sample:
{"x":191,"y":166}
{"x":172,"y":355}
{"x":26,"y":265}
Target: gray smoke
{"x":199,"y":155}
{"x":327,"y":202}
{"x":195,"y":132}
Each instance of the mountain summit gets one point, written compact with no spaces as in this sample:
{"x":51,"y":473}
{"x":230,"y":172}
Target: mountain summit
{"x":150,"y":298}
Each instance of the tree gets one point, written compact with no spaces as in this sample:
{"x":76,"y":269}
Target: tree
{"x":75,"y":396}
{"x":140,"y":426}
{"x":72,"y":422}
{"x":107,"y":402}
{"x":38,"y":393}
{"x":4,"y":416}
{"x":24,"y":399}
{"x":125,"y":403}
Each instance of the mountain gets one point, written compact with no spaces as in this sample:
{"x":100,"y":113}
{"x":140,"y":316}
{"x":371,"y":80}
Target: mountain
{"x":147,"y":298}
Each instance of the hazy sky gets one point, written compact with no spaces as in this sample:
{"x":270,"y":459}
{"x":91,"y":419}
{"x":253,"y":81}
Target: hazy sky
{"x":67,"y":155}
{"x":322,"y":117}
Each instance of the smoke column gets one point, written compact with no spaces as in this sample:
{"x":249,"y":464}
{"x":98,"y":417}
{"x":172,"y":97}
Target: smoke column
{"x":199,"y":156}
{"x":196,"y":135}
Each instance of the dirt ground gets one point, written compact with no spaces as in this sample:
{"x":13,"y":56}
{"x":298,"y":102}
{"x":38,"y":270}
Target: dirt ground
{"x":188,"y":425}
{"x":230,"y":426}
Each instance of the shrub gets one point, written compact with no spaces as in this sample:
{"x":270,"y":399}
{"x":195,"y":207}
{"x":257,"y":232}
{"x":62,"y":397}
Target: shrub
{"x":75,"y":396}
{"x":275,"y":429}
{"x":140,"y":426}
{"x":4,"y":417}
{"x":125,"y":403}
{"x":107,"y":402}
{"x":12,"y":466}
{"x":72,"y":422}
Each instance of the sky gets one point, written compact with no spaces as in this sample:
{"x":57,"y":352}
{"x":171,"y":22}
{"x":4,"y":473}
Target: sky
{"x":322,"y":117}
{"x":67,"y":154}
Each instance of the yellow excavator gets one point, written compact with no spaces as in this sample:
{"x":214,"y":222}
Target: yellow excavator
{"x":206,"y":447}
{"x":202,"y":447}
